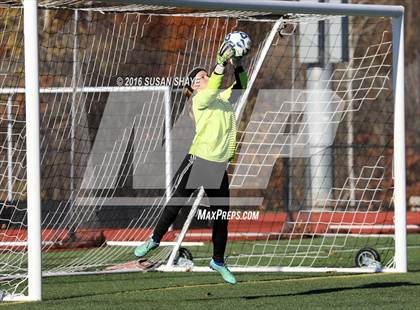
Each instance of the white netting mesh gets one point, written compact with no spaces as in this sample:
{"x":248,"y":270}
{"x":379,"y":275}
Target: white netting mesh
{"x":107,"y":88}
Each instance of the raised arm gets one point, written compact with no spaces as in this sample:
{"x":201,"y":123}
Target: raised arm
{"x":202,"y":99}
{"x":241,"y":82}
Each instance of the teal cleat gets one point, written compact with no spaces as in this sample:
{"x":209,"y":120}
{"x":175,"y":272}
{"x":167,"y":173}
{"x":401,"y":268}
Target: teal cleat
{"x":224,"y":272}
{"x":145,"y":248}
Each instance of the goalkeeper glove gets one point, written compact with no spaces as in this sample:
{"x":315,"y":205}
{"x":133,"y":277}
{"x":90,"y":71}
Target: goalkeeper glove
{"x":225,"y":53}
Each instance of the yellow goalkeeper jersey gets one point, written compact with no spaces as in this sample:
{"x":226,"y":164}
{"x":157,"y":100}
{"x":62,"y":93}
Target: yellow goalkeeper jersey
{"x":215,"y":125}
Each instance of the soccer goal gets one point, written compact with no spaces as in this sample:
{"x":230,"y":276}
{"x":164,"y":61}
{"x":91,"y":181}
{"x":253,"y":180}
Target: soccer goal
{"x":94,"y":125}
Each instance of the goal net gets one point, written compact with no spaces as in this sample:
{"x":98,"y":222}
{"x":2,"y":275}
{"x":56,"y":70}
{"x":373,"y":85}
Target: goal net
{"x":312,"y":181}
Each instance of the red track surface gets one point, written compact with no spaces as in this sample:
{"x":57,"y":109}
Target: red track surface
{"x":305,"y":223}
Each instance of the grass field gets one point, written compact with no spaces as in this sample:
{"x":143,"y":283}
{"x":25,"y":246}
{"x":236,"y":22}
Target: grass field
{"x":157,"y":290}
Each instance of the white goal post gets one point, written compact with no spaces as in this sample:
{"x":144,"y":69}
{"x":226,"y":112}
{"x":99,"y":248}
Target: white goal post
{"x":303,"y":238}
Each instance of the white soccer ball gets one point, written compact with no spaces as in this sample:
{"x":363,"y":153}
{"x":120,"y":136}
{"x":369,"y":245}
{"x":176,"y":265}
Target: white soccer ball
{"x":240,"y":41}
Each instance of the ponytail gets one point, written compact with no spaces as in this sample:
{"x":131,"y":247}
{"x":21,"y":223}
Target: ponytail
{"x":187,"y":92}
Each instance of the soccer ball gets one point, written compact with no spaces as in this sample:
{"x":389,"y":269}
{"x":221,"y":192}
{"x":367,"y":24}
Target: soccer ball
{"x":240,"y":41}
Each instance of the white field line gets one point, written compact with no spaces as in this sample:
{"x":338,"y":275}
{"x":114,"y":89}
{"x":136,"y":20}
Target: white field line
{"x":137,"y":243}
{"x":200,"y":243}
{"x":385,"y":226}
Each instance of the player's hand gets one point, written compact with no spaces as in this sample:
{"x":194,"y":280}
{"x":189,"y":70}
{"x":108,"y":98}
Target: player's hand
{"x":225,"y":53}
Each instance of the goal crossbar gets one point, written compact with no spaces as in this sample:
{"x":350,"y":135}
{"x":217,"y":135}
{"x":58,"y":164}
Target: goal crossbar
{"x":280,"y":7}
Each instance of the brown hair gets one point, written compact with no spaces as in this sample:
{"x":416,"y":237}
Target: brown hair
{"x":187,"y":92}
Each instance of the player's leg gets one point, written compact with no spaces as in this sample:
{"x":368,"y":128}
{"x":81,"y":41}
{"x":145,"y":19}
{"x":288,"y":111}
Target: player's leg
{"x":171,"y":209}
{"x":219,"y":201}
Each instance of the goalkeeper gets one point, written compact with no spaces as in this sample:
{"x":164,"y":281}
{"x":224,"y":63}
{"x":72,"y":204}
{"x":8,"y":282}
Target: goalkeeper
{"x":212,"y":148}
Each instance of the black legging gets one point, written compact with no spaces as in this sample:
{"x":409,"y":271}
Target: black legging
{"x":213,"y":177}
